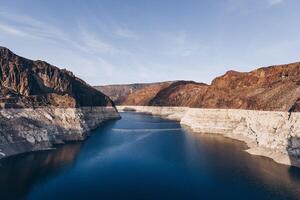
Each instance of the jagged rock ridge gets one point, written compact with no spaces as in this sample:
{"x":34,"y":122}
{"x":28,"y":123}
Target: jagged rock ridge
{"x":27,"y":83}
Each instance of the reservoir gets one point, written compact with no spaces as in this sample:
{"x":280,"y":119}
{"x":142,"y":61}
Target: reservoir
{"x":147,"y":157}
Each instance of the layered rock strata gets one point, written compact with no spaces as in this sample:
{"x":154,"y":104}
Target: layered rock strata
{"x":267,"y":133}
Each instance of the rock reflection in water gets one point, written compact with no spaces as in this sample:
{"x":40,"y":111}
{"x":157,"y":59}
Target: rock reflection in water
{"x":256,"y":169}
{"x":19,"y":173}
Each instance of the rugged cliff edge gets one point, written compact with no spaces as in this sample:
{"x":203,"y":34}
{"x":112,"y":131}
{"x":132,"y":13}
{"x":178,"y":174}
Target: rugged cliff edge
{"x":272,"y":134}
{"x":42,"y":105}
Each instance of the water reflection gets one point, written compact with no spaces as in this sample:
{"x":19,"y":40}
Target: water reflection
{"x":19,"y":173}
{"x":228,"y":162}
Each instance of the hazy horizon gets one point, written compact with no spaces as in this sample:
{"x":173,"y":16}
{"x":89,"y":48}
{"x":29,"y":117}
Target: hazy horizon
{"x":123,"y":42}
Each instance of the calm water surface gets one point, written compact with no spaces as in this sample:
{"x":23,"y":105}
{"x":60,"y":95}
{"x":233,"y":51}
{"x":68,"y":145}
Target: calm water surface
{"x":145,"y":157}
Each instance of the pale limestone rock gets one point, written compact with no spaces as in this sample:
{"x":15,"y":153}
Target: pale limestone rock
{"x":27,"y":129}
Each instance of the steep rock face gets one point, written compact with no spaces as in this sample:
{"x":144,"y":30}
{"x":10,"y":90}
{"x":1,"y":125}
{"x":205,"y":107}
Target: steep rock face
{"x":27,"y":83}
{"x":42,"y":105}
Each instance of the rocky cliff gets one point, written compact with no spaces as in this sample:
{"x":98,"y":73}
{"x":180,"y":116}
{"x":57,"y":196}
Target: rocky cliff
{"x":41,"y":105}
{"x":274,"y":88}
{"x":27,"y":83}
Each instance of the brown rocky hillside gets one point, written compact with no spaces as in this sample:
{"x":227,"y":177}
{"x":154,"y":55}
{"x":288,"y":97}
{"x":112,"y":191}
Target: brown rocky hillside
{"x":118,"y":93}
{"x":144,"y":96}
{"x":27,"y":83}
{"x":180,"y":93}
{"x":268,"y":88}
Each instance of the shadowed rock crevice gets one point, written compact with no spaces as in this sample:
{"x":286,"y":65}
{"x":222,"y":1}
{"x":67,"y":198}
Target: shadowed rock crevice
{"x":293,"y":150}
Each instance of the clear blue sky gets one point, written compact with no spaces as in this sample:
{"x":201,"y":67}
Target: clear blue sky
{"x":126,"y":41}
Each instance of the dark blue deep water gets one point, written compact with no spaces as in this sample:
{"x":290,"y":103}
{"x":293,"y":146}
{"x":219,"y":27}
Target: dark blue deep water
{"x":146,"y":157}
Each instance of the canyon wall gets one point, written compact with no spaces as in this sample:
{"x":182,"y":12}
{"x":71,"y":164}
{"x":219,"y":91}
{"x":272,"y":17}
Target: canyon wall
{"x":268,"y":133}
{"x":27,"y":129}
{"x":42,"y":105}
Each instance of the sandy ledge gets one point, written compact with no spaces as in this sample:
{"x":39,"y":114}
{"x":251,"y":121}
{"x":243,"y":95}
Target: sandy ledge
{"x":267,"y":133}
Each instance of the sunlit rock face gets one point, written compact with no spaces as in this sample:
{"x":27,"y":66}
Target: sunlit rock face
{"x":121,"y":93}
{"x":42,"y":105}
{"x":27,"y":83}
{"x":274,"y":88}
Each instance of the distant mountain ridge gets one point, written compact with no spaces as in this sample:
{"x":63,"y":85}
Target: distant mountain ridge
{"x":125,"y":93}
{"x":275,"y":88}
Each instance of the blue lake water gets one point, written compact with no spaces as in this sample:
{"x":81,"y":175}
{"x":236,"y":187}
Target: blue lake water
{"x":146,"y":157}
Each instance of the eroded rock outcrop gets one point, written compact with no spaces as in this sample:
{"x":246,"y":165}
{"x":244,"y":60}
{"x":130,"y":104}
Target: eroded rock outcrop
{"x":42,"y":105}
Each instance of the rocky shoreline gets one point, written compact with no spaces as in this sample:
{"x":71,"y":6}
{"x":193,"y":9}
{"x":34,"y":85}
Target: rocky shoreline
{"x":267,"y":133}
{"x":42,"y":105}
{"x":33,"y":129}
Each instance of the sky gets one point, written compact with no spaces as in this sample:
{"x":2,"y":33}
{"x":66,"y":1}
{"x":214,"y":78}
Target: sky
{"x":132,"y":41}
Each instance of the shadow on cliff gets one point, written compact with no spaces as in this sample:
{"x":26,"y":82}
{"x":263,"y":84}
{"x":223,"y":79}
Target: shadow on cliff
{"x":293,"y":150}
{"x":128,"y":109}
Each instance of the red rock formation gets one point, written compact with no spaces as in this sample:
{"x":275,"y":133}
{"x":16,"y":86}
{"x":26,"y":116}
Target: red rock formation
{"x":118,"y":93}
{"x":180,"y":93}
{"x":145,"y":95}
{"x":27,"y":83}
{"x":269,"y":88}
